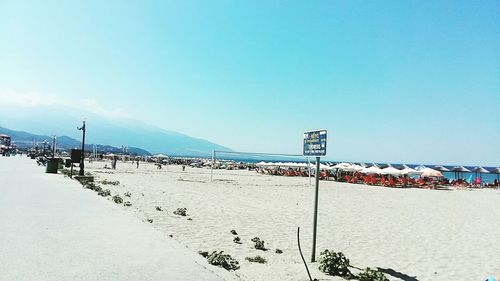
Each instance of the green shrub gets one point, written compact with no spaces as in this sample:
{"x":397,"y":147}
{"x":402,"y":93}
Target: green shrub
{"x":65,"y":172}
{"x":127,"y":204}
{"x":278,"y":251}
{"x":223,"y":260}
{"x":158,"y":208}
{"x":117,"y":199}
{"x":371,"y":275}
{"x":259,"y":244}
{"x":257,"y":259}
{"x":180,"y":212}
{"x":335,"y":264}
{"x":237,"y":240}
{"x":233,"y":232}
{"x":128,"y":194}
{"x":106,"y":182}
{"x":104,"y":193}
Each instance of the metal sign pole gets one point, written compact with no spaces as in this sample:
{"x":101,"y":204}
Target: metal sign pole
{"x":309,"y":169}
{"x":313,"y":256}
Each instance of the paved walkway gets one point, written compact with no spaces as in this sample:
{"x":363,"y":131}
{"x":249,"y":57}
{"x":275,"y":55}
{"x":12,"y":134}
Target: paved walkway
{"x":53,"y":229}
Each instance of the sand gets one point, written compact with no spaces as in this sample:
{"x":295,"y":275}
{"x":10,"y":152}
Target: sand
{"x":53,"y":229}
{"x":415,"y":234}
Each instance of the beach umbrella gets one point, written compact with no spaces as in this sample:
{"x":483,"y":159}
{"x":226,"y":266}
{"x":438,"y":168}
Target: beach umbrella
{"x":390,"y":171}
{"x":403,"y":166}
{"x":480,"y":170}
{"x":353,"y":168}
{"x":371,"y":170}
{"x":341,"y":166}
{"x":420,"y":167}
{"x":496,"y":171}
{"x":428,"y":172}
{"x":409,"y":171}
{"x":460,"y":169}
{"x":441,"y":168}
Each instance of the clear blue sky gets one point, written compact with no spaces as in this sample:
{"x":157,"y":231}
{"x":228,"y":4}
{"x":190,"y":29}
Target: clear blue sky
{"x":407,"y":81}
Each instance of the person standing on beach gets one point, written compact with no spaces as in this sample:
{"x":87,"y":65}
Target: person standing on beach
{"x":137,"y":163}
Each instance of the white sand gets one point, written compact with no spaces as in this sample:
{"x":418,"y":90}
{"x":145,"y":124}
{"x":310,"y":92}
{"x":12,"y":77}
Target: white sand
{"x":52,"y":229}
{"x":425,"y":234}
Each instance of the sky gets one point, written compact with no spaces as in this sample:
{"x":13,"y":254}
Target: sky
{"x":391,"y":81}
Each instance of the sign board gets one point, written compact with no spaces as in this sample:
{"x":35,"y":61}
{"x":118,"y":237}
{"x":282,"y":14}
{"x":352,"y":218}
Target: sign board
{"x":315,"y":143}
{"x":76,"y":155}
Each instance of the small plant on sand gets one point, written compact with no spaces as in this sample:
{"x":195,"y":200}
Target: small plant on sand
{"x":127,"y":204}
{"x":336,"y":264}
{"x":233,"y":232}
{"x":223,"y":260}
{"x":203,"y":253}
{"x":104,"y":193}
{"x":106,"y":182}
{"x":180,"y":212}
{"x":257,"y":259}
{"x":158,"y":208}
{"x":371,"y":275}
{"x":65,"y":172}
{"x":278,"y":251}
{"x":117,"y":199}
{"x":150,"y":220}
{"x":259,"y":244}
{"x":237,"y":240}
{"x":128,"y":194}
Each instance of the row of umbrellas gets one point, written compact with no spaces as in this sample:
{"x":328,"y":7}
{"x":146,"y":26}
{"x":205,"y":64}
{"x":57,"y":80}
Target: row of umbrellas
{"x":389,"y":170}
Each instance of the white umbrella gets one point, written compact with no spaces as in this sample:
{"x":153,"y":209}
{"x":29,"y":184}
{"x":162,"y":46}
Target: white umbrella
{"x":341,"y":166}
{"x":409,"y":171}
{"x":371,"y":170}
{"x":390,"y":171}
{"x":421,"y":167}
{"x":441,"y":168}
{"x":354,"y":168}
{"x":428,"y":172}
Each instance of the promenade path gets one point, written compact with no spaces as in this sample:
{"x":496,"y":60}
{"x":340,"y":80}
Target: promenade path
{"x":53,"y":229}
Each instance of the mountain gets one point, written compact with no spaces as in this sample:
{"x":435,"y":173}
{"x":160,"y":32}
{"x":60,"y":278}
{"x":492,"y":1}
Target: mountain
{"x":26,"y":140}
{"x":116,"y":132}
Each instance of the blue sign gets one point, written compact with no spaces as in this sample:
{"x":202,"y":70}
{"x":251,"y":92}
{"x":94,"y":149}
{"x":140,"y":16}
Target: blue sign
{"x":315,"y":143}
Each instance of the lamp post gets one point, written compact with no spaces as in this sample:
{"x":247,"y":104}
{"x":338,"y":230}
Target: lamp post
{"x":82,"y":171}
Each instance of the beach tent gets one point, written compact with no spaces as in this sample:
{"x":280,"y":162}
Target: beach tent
{"x":428,"y":172}
{"x":460,"y":169}
{"x":390,"y":171}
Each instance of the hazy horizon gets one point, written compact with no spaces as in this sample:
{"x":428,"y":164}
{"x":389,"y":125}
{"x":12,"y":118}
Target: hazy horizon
{"x":400,"y":82}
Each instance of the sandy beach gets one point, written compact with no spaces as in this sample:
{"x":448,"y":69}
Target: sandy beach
{"x":414,"y":234}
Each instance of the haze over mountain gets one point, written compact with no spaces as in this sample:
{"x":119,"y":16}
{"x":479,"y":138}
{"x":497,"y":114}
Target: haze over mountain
{"x":26,"y":140}
{"x":106,"y":130}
